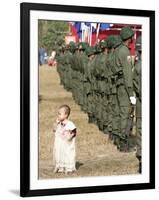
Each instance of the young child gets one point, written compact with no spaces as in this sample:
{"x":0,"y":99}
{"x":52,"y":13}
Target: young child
{"x":64,"y":145}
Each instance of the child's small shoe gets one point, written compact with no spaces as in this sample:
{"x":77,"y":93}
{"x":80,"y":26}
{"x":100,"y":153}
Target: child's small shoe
{"x":56,"y":170}
{"x":70,"y":171}
{"x":61,"y":170}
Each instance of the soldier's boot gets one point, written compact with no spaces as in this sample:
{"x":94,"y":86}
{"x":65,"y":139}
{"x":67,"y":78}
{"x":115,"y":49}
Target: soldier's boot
{"x":140,"y":164}
{"x":85,"y":107}
{"x":110,"y":136}
{"x":105,"y":129}
{"x":123,"y":146}
{"x":140,"y":167}
{"x":100,"y":125}
{"x":95,"y":120}
{"x":90,"y":118}
{"x":131,"y":143}
{"x":117,"y":142}
{"x":115,"y":139}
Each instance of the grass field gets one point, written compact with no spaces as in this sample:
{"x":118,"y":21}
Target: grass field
{"x":95,"y":153}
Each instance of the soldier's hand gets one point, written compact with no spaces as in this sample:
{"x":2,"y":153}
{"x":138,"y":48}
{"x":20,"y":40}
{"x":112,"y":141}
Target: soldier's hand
{"x":133,"y":100}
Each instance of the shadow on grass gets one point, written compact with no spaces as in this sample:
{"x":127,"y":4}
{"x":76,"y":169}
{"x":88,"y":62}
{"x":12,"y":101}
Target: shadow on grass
{"x":78,"y":164}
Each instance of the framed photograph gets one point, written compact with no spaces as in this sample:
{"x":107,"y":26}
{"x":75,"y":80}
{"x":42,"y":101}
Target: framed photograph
{"x":87,"y":99}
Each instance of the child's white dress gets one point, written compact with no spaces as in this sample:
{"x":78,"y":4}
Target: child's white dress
{"x":64,"y":148}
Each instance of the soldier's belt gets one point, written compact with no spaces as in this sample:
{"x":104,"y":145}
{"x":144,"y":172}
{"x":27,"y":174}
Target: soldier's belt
{"x":119,"y":76}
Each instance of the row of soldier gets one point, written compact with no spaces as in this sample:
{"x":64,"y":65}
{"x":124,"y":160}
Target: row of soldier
{"x":107,"y":85}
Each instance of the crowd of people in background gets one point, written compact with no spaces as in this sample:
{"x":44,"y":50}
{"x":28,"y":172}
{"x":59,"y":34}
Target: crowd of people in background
{"x":43,"y":57}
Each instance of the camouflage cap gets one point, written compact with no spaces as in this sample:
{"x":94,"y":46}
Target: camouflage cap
{"x":126,"y":33}
{"x":110,"y":40}
{"x":60,"y":48}
{"x":90,"y":51}
{"x":82,"y":46}
{"x":63,"y":46}
{"x":60,"y":41}
{"x":76,"y":45}
{"x":71,"y":43}
{"x":117,"y":41}
{"x":103,"y":44}
{"x":98,"y":48}
{"x":67,"y":47}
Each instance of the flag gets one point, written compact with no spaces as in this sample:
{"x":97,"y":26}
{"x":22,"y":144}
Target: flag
{"x":74,"y":30}
{"x":104,"y":26}
{"x":78,"y":29}
{"x":94,"y":27}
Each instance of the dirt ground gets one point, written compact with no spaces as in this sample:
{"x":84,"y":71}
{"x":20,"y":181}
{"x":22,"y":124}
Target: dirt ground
{"x":95,"y":153}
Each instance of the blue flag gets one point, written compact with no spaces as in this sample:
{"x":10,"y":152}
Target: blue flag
{"x":104,"y":26}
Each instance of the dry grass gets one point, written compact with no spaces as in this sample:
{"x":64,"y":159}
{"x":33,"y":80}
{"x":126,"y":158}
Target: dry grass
{"x":96,"y":155}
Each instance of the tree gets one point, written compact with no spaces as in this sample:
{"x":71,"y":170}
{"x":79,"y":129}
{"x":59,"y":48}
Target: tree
{"x":50,"y":33}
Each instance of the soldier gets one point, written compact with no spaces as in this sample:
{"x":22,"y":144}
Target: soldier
{"x":113,"y":41}
{"x":83,"y":61}
{"x":96,"y":74}
{"x":137,"y":89}
{"x":58,"y":58}
{"x":124,"y":83}
{"x":75,"y":73}
{"x":88,"y":83}
{"x":103,"y":87}
{"x":71,"y":61}
{"x":61,"y":62}
{"x":67,"y":68}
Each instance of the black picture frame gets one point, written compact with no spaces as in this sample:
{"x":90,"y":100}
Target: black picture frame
{"x":25,"y":9}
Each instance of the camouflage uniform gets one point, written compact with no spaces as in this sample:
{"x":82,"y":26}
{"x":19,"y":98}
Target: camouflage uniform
{"x":113,"y":43}
{"x":103,"y":88}
{"x":137,"y":89}
{"x":95,"y":84}
{"x":112,"y":105}
{"x":75,"y":73}
{"x":88,"y":83}
{"x":61,"y":65}
{"x":124,"y":83}
{"x":67,"y":68}
{"x":83,"y":61}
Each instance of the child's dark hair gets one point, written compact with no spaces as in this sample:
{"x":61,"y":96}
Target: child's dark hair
{"x":67,"y":109}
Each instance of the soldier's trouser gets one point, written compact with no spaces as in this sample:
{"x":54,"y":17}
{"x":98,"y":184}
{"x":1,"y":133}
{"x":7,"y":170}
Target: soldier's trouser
{"x":115,"y":116}
{"x":96,"y":106}
{"x":109,"y":110}
{"x":94,"y":97}
{"x":66,"y":79}
{"x":89,"y":103}
{"x":100,"y":111}
{"x":138,"y":129}
{"x":85,"y":98}
{"x":69,"y":82}
{"x":62,"y":75}
{"x":74,"y":82}
{"x":124,"y":106}
{"x":124,"y":113}
{"x":80,"y":89}
{"x":105,"y":113}
{"x":90,"y":106}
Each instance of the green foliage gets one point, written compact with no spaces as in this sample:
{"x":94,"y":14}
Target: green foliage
{"x":51,"y":33}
